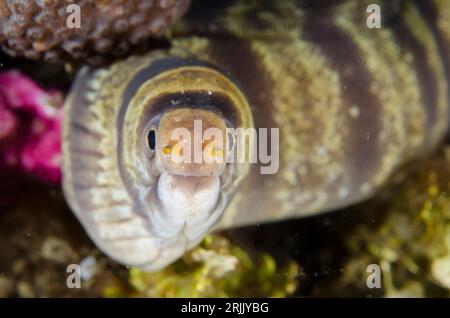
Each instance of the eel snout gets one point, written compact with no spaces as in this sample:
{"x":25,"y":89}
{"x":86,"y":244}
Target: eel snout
{"x":191,"y":142}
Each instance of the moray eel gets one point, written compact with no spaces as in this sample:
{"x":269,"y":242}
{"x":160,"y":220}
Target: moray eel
{"x":352,"y":105}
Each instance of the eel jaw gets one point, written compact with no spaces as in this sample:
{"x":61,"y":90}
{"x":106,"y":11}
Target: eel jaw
{"x":185,"y":205}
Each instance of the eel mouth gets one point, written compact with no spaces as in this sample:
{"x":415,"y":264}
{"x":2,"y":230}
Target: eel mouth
{"x":190,"y":149}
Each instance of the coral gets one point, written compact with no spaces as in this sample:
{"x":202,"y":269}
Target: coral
{"x":48,"y":29}
{"x":30,"y":133}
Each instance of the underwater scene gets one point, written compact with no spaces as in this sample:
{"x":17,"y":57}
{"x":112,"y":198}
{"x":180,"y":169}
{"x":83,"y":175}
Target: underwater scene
{"x":230,"y":148}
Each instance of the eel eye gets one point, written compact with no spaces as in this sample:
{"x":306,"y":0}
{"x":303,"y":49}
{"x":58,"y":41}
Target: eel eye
{"x":151,"y":139}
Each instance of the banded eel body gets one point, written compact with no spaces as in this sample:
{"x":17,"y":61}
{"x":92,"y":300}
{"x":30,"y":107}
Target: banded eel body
{"x":352,"y":105}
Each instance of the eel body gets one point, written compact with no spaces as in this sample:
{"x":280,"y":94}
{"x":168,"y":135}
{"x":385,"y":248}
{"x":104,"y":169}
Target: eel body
{"x":351,"y":103}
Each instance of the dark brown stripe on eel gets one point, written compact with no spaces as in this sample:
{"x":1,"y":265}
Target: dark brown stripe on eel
{"x":244,"y":67}
{"x":342,"y":54}
{"x":193,"y":99}
{"x":430,"y":15}
{"x":425,"y":75}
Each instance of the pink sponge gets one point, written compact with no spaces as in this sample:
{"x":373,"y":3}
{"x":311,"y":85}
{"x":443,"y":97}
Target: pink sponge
{"x":30,"y":127}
